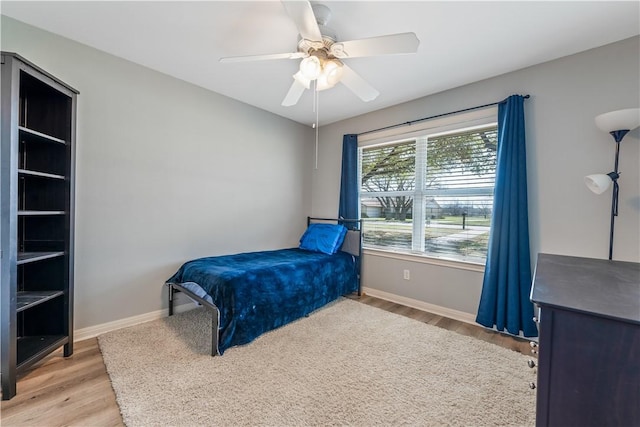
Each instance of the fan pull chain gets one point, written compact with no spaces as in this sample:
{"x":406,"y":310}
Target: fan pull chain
{"x":315,"y":96}
{"x":316,"y":108}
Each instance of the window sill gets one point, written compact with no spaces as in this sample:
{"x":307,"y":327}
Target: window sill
{"x":423,"y":259}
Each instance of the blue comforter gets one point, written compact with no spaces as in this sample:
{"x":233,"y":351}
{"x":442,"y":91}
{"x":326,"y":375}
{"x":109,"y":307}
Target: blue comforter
{"x":260,"y":291}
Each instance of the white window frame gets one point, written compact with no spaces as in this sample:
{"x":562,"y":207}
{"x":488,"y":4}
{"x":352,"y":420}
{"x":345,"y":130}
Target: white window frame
{"x":420,"y":132}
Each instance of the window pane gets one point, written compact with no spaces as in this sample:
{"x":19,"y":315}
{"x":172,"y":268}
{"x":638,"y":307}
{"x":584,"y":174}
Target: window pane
{"x":389,"y":222}
{"x":458,"y":227}
{"x":459,"y":187}
{"x":462,"y":160}
{"x":389,"y":168}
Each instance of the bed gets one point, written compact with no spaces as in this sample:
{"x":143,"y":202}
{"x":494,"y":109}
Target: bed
{"x":253,"y":293}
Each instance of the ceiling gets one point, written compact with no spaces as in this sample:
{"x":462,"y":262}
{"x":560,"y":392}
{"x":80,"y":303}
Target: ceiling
{"x":460,"y":42}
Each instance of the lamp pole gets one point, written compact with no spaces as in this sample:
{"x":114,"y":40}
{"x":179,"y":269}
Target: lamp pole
{"x":616,"y":189}
{"x":617,"y":136}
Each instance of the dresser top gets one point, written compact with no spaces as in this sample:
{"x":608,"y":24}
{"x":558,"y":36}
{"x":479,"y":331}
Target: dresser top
{"x":595,"y":286}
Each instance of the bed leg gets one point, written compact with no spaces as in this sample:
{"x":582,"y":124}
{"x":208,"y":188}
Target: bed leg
{"x":215,"y":321}
{"x":170,"y":300}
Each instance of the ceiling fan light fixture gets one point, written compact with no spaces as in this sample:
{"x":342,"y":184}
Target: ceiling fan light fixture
{"x":330,"y":76}
{"x":311,"y":67}
{"x":300,"y":78}
{"x":322,"y":83}
{"x":333,"y":71}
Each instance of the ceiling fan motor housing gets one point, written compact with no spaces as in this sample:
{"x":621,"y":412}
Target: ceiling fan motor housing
{"x":329,"y":36}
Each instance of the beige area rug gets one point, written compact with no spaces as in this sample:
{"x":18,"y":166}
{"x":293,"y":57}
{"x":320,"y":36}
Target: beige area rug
{"x":346,"y":364}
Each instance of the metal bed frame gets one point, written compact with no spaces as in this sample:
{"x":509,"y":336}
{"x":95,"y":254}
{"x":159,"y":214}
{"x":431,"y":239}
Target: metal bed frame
{"x":215,"y":323}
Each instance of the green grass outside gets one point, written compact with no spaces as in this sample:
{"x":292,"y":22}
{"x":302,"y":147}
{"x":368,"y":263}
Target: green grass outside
{"x":471,"y":220}
{"x":380,"y":232}
{"x":398,"y":226}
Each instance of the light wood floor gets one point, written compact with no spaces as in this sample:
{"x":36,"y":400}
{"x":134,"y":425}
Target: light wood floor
{"x":76,"y":391}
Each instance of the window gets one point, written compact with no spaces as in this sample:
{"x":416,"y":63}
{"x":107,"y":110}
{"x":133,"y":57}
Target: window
{"x":431,"y":193}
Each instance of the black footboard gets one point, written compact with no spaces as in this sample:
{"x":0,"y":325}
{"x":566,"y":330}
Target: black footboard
{"x":215,"y":315}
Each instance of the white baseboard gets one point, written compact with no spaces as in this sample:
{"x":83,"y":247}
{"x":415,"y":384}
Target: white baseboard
{"x":421,"y":305}
{"x":94,"y":331}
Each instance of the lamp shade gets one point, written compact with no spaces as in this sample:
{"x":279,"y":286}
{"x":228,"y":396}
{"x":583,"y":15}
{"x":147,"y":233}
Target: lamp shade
{"x":322,"y":83}
{"x":598,"y":183}
{"x":331,"y":74}
{"x":333,"y":71}
{"x":627,"y":119}
{"x":310,"y":67}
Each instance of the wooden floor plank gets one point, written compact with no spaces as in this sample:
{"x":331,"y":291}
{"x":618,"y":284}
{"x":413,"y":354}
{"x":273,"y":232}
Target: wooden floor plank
{"x":63,"y":391}
{"x":76,"y":391}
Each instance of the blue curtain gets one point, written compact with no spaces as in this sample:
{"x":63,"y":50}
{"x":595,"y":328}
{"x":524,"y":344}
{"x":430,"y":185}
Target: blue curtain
{"x":504,"y":302}
{"x":348,"y":207}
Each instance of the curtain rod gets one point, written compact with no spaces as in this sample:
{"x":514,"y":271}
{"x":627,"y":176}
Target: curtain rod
{"x":435,"y":117}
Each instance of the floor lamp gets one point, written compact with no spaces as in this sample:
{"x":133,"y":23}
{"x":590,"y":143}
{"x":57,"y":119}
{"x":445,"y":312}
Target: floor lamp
{"x":618,"y":124}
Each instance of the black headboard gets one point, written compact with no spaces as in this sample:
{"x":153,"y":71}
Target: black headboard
{"x":352,"y":241}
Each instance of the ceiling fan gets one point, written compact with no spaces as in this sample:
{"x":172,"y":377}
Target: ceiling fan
{"x":322,"y":55}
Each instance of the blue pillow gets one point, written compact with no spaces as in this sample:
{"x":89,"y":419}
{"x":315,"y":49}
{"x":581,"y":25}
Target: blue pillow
{"x":325,"y":238}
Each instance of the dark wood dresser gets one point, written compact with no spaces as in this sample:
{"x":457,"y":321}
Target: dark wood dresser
{"x":589,"y":347}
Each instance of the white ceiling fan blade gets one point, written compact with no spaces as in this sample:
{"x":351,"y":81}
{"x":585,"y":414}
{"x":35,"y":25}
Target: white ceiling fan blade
{"x":293,"y":55}
{"x":358,"y":85}
{"x":302,"y":15}
{"x":295,"y":92}
{"x":381,"y":45}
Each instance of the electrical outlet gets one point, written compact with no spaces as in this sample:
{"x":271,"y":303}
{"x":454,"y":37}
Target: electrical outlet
{"x":407,"y":275}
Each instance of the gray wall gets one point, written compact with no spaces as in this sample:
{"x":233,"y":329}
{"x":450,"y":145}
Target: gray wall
{"x":563,"y":145}
{"x":166,"y":172}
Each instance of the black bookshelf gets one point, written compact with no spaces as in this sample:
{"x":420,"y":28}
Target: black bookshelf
{"x":37,"y":159}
